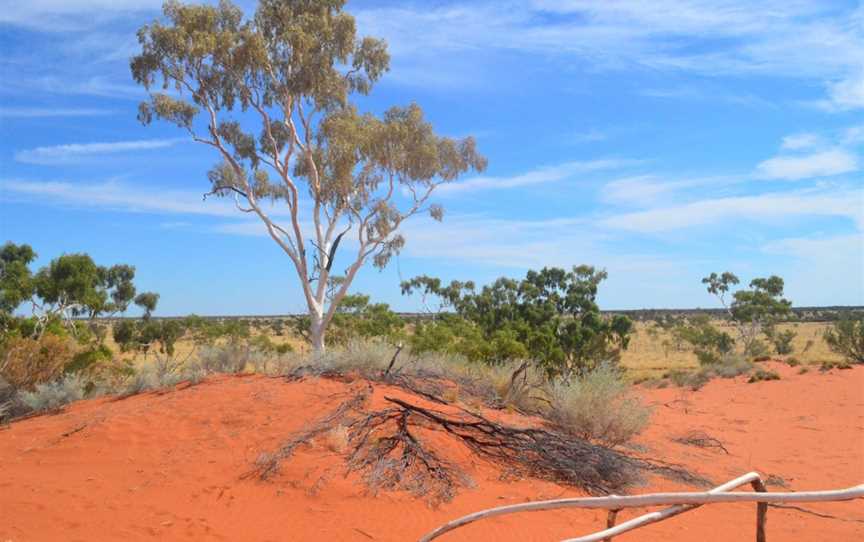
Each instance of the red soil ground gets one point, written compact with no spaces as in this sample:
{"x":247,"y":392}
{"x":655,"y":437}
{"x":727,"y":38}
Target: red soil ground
{"x":169,"y":467}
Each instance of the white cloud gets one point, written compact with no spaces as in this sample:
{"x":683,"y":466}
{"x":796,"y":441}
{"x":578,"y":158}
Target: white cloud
{"x":541,"y":175}
{"x":74,"y":152}
{"x":853,"y":135}
{"x":140,"y":198}
{"x":65,"y":15}
{"x":802,"y":39}
{"x":40,"y":112}
{"x":644,"y":190}
{"x":820,"y":164}
{"x":801,"y":141}
{"x":772,"y":207}
{"x":847,"y":93}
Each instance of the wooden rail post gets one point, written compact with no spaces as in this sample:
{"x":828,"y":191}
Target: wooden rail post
{"x":610,"y":522}
{"x":761,"y":510}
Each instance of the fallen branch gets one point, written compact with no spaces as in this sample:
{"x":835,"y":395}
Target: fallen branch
{"x":700,"y":439}
{"x":652,"y":499}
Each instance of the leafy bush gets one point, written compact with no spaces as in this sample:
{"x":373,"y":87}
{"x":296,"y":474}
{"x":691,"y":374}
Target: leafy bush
{"x":598,"y":406}
{"x":551,"y":317}
{"x":846,"y":337}
{"x":782,"y":341}
{"x":709,"y":344}
{"x":762,"y":375}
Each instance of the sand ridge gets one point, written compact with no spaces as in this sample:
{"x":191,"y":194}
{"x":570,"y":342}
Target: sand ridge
{"x":170,"y":466}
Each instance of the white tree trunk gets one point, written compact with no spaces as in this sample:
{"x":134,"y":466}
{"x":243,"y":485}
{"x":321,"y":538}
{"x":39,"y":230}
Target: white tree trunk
{"x":317,"y":329}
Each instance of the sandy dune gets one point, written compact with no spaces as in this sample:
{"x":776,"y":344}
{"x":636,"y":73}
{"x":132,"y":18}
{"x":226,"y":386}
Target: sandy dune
{"x":169,"y":467}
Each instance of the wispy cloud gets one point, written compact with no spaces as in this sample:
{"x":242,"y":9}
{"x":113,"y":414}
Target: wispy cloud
{"x":76,"y":152}
{"x":758,"y":208}
{"x":46,"y":112}
{"x":116,"y":196}
{"x":805,"y":39}
{"x":820,"y":164}
{"x":66,"y":15}
{"x":541,"y":175}
{"x":805,"y":140}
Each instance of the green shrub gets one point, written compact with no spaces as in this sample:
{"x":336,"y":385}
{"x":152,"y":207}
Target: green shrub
{"x":763,"y":375}
{"x":597,"y":406}
{"x":793,"y":362}
{"x":783,"y":341}
{"x":846,"y":337}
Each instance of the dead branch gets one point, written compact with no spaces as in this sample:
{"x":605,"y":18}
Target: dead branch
{"x":700,"y":439}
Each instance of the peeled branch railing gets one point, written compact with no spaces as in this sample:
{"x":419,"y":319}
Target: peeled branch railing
{"x":681,"y":502}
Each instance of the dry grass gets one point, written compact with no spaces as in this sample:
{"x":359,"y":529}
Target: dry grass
{"x":652,"y":353}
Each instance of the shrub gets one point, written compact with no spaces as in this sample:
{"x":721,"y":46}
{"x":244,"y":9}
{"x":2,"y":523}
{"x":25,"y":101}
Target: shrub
{"x":793,"y":362}
{"x":732,"y":366}
{"x":846,"y":337}
{"x":763,"y":375}
{"x":550,"y":316}
{"x":683,"y":378}
{"x":230,"y":358}
{"x":53,"y":395}
{"x":783,"y":341}
{"x":828,"y":365}
{"x":597,"y":406}
{"x":27,"y":362}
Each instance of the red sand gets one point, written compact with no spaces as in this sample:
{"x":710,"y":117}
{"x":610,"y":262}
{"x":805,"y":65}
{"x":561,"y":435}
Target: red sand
{"x":169,"y":466}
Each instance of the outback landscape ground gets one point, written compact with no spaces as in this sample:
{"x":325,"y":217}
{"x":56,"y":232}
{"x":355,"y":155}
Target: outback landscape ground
{"x":695,"y":166}
{"x":174,"y":465}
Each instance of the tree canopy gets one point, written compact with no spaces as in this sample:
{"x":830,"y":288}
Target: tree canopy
{"x":551,"y":316}
{"x":272,"y":95}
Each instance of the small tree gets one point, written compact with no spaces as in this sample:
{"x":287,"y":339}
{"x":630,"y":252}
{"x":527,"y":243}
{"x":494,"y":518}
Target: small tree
{"x":846,"y":337}
{"x":147,"y":301}
{"x":16,"y":279}
{"x":751,"y":311}
{"x":292,"y":71}
{"x":551,"y":316}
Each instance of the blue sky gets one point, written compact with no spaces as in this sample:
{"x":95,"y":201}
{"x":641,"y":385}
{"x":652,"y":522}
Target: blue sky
{"x":659,"y":140}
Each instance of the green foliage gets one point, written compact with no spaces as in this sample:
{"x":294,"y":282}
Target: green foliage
{"x":709,"y":344}
{"x":148,"y":302}
{"x":846,"y":337}
{"x":294,"y":68}
{"x":782,"y":340}
{"x":89,"y":359}
{"x":16,"y":279}
{"x":550,"y":316}
{"x":752,"y":310}
{"x":74,"y":283}
{"x":356,"y":318}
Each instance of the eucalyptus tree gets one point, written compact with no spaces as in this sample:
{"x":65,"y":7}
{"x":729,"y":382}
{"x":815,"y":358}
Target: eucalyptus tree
{"x":752,"y":311}
{"x":551,"y":317}
{"x":274,"y":96}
